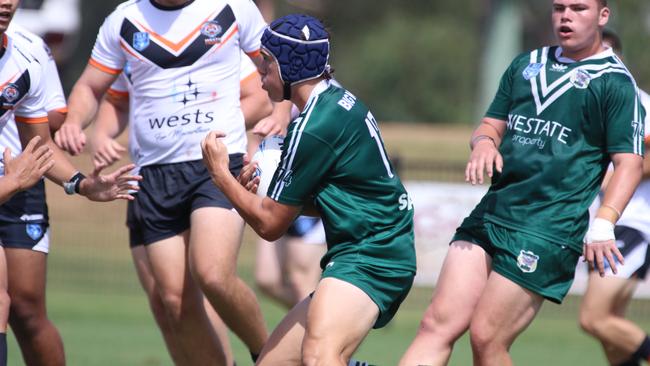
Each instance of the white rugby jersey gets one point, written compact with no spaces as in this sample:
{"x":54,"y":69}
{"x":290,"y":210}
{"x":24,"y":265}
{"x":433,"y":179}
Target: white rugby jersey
{"x":637,"y":212}
{"x":54,"y":98}
{"x":22,"y":85}
{"x":184,"y":63}
{"x":121,"y":88}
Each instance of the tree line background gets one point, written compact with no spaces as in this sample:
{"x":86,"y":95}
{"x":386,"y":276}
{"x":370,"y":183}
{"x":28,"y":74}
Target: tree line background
{"x":416,"y":60}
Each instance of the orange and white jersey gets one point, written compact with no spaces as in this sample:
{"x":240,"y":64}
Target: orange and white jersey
{"x":54,"y":97}
{"x":184,"y":68}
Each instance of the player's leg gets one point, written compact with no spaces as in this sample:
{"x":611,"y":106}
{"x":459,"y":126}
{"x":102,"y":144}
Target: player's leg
{"x":39,"y":340}
{"x":450,"y":312}
{"x":183,"y":301}
{"x":601,"y":316}
{"x":503,"y":312}
{"x":268,"y":272}
{"x":220,"y":329}
{"x":5,"y":303}
{"x":213,"y":255}
{"x":302,"y":264}
{"x":336,"y":328}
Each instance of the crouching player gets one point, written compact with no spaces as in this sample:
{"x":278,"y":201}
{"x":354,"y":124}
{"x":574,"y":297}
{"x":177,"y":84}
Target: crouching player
{"x":334,"y":163}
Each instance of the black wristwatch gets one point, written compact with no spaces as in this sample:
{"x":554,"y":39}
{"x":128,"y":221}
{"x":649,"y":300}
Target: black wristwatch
{"x":72,"y":186}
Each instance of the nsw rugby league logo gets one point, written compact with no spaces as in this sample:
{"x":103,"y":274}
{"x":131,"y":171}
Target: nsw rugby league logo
{"x":580,"y":79}
{"x":141,"y":40}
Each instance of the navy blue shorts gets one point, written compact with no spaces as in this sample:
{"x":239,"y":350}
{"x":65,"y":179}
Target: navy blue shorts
{"x":168,"y":195}
{"x":24,"y":220}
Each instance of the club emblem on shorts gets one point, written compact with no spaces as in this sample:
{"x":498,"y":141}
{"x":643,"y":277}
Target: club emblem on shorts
{"x":580,"y":79}
{"x":211,"y":30}
{"x":532,"y":70}
{"x":140,"y":40}
{"x":527,"y":261}
{"x":34,"y":231}
{"x":10,"y":93}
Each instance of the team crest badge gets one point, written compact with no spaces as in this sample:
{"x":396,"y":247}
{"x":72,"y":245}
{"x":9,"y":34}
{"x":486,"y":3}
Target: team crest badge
{"x":532,"y":70}
{"x":141,"y":40}
{"x":211,"y":30}
{"x":580,"y":79}
{"x":34,"y":231}
{"x":10,"y":93}
{"x":527,"y":261}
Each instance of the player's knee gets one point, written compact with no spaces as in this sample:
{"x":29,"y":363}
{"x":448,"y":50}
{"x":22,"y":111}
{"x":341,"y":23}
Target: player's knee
{"x":172,"y":304}
{"x":482,"y":336}
{"x":317,"y":353}
{"x":594,"y":324}
{"x":442,"y":325}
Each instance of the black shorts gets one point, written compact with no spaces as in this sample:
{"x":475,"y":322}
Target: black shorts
{"x":168,"y":195}
{"x":24,"y":220}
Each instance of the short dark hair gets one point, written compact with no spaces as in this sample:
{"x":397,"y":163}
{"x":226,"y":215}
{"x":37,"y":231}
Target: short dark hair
{"x":603,"y":3}
{"x":613,"y":39}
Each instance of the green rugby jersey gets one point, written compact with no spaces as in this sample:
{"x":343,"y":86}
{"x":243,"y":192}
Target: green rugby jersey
{"x":333,"y":157}
{"x":563,"y":118}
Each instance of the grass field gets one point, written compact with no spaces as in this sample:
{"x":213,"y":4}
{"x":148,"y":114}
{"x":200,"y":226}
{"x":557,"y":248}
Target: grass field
{"x":96,"y":302}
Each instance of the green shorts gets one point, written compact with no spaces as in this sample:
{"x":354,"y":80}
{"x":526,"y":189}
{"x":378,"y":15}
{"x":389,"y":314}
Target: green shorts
{"x":543,"y":267}
{"x":386,"y":287}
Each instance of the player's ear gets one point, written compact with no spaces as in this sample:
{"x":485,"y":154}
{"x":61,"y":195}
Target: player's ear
{"x":603,"y":17}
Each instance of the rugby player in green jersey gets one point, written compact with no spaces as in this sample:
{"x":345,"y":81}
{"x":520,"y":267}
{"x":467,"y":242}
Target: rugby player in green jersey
{"x":560,"y":115}
{"x":333,"y":163}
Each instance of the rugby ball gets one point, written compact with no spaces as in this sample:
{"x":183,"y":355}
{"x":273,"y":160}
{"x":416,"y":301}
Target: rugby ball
{"x":267,"y":158}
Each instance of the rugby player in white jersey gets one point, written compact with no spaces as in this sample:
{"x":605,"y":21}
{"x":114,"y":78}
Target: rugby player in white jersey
{"x":25,"y":235}
{"x":184,"y":58}
{"x":22,"y":68}
{"x":602,"y":313}
{"x":112,"y":119}
{"x":560,"y":116}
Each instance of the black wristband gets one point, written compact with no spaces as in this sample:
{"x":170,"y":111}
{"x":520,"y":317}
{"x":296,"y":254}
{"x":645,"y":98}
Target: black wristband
{"x":72,"y":186}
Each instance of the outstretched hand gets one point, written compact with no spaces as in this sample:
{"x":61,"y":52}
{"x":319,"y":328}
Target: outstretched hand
{"x":29,"y":166}
{"x":106,"y":151}
{"x":117,"y":185}
{"x":485,"y":157}
{"x":71,"y":138}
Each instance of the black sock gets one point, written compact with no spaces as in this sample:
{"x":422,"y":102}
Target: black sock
{"x":254,"y":356}
{"x":631,"y":362}
{"x":3,"y":349}
{"x":643,"y":352}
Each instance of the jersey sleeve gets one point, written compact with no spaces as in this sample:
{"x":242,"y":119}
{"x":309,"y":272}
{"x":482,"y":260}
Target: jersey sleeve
{"x":31,"y":109}
{"x":624,"y":119}
{"x":107,"y":54}
{"x":301,"y":170}
{"x":247,"y":68}
{"x":502,"y":101}
{"x":55,"y":99}
{"x":251,"y":26}
{"x":120,"y":87}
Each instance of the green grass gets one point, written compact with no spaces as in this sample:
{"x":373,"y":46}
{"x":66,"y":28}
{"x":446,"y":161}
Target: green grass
{"x":102,"y":314}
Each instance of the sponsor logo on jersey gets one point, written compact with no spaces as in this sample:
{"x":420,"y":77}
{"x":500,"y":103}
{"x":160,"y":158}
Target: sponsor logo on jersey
{"x":540,"y":129}
{"x":211,"y":30}
{"x":34,"y":231}
{"x":559,"y":67}
{"x":580,"y":78}
{"x":141,"y":40}
{"x":10,"y":93}
{"x":532,"y":70}
{"x":527,"y":261}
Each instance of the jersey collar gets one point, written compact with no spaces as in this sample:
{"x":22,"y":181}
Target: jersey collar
{"x":169,"y":8}
{"x":318,"y":89}
{"x":608,"y":52}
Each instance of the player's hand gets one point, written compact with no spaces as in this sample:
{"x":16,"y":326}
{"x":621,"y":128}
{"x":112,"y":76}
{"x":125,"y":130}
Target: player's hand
{"x":71,"y":138}
{"x":600,"y":245}
{"x":28,"y":168}
{"x":247,"y":176}
{"x":117,"y":185}
{"x":485,"y":157}
{"x":215,"y":155}
{"x":270,"y":126}
{"x":106,"y":151}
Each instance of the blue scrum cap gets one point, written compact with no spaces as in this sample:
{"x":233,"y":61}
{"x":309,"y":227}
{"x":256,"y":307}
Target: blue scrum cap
{"x":300,"y":45}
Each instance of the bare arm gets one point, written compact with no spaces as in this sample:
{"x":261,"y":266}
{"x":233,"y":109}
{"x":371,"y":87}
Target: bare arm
{"x":485,"y":156}
{"x":255,"y":103}
{"x":267,"y":217}
{"x":82,"y":106}
{"x":628,"y":170}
